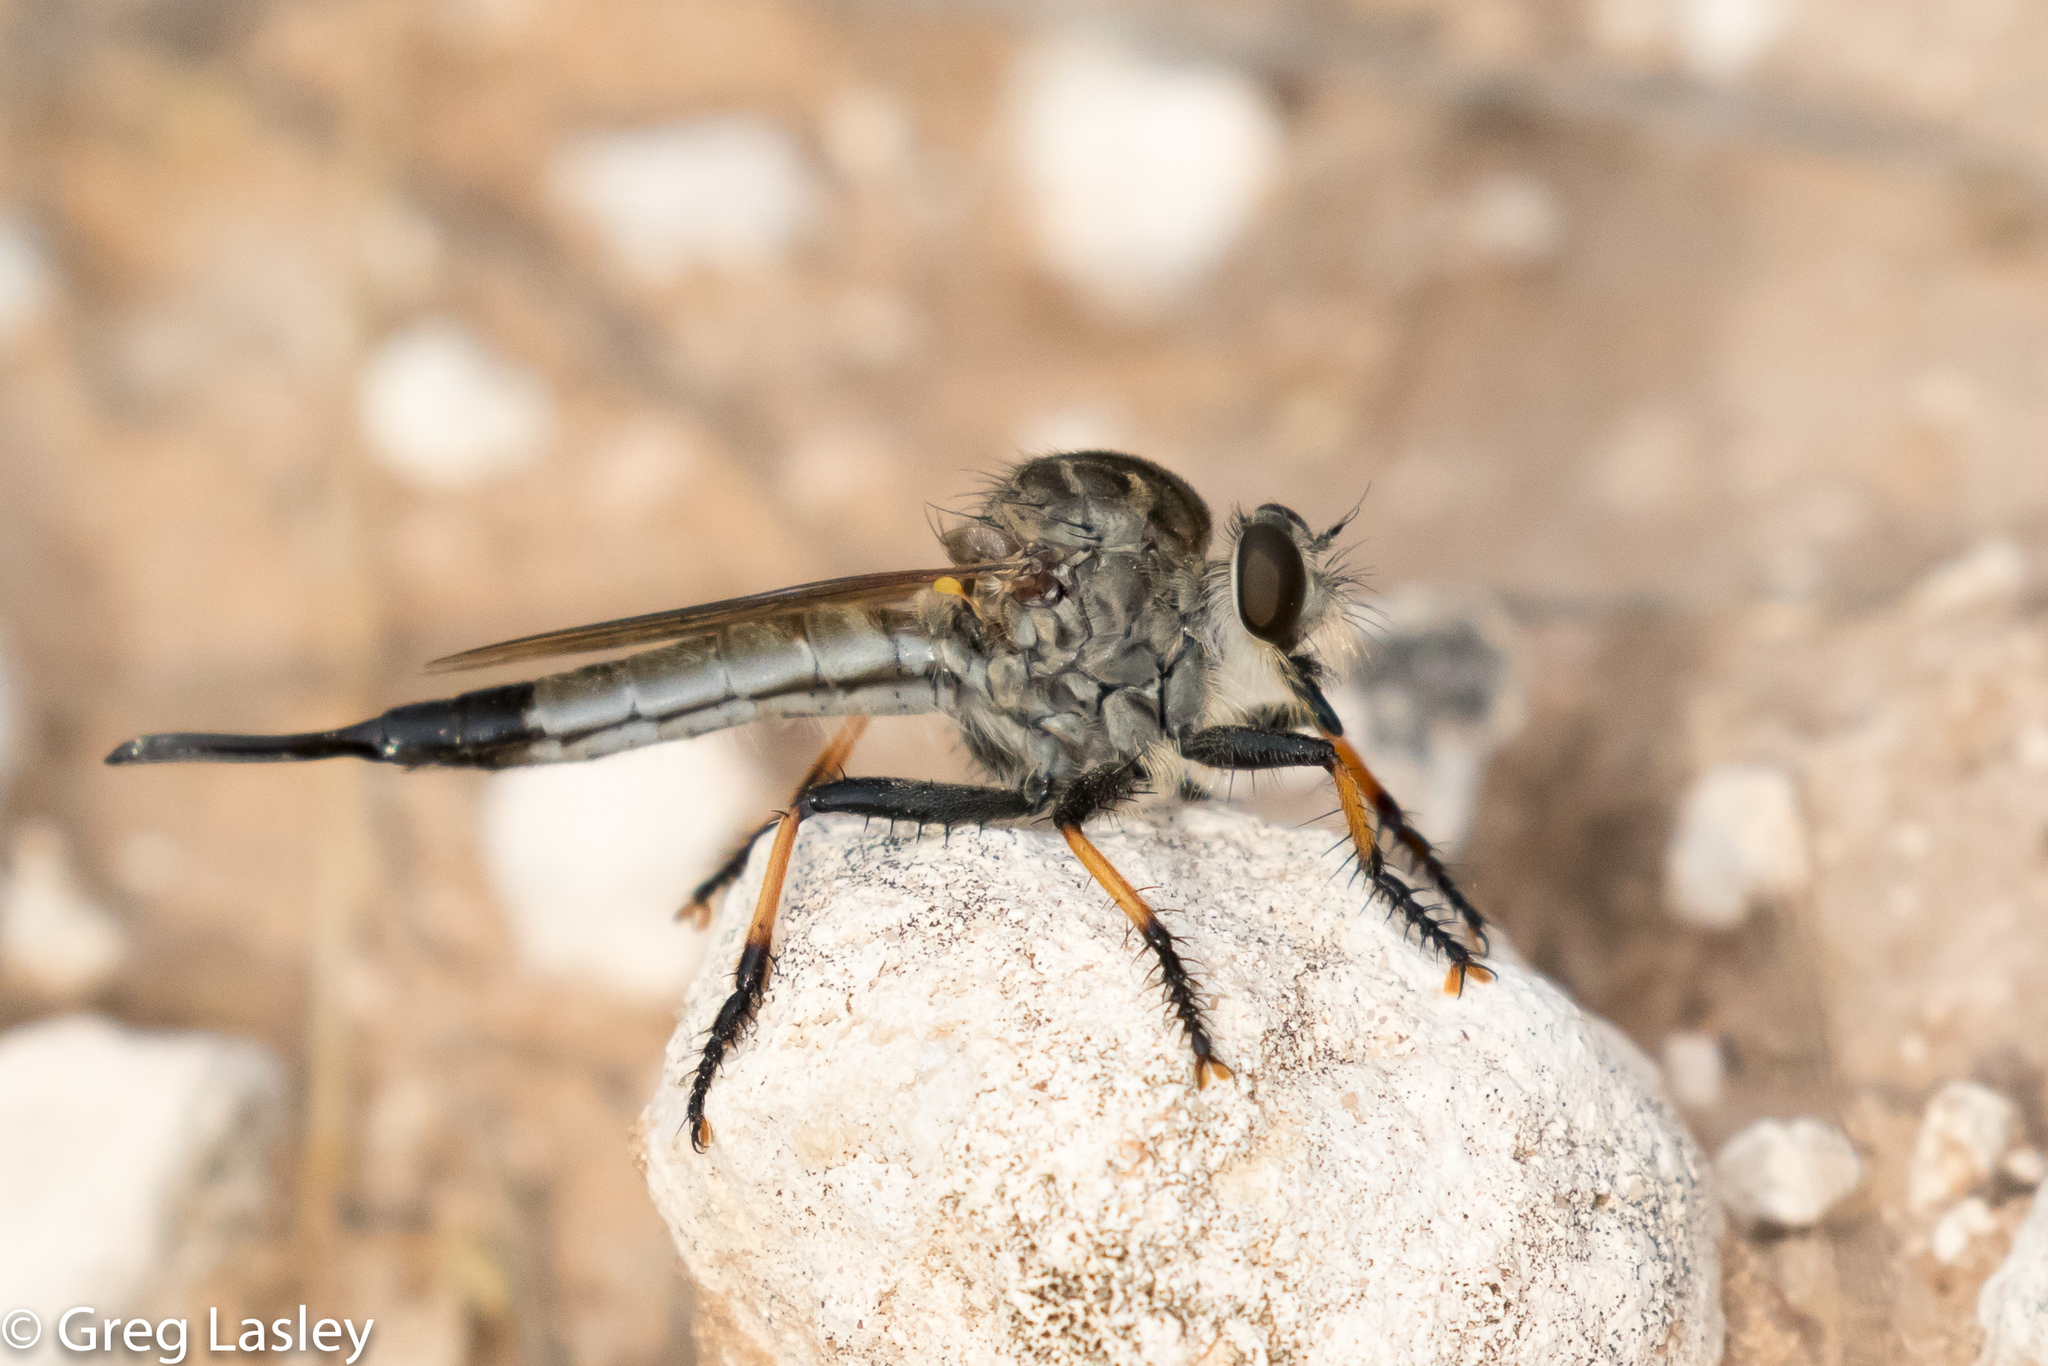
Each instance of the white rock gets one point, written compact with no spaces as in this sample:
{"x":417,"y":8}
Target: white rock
{"x":962,"y":1131}
{"x":128,"y":1160}
{"x":54,"y":939}
{"x":592,"y":860}
{"x":1139,"y":174}
{"x":2012,"y":1308}
{"x":1950,"y":1239}
{"x":1739,"y":839}
{"x":721,"y":192}
{"x":2024,"y":1166}
{"x":1994,"y":571}
{"x":1724,"y":38}
{"x":1964,"y":1131}
{"x":1694,"y":1068}
{"x":1789,"y":1174}
{"x":442,"y":412}
{"x":28,"y":287}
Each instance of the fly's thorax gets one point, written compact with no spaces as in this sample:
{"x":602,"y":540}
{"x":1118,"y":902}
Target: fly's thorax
{"x":1099,"y":500}
{"x":1095,"y":675}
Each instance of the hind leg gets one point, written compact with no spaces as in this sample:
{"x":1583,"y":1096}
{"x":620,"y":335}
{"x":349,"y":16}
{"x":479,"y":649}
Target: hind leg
{"x":893,"y":799}
{"x":1101,"y":791}
{"x":830,"y":761}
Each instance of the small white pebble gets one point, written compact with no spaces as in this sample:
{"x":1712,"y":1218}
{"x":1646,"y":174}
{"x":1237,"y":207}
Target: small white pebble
{"x":1693,"y":1069}
{"x":28,"y":287}
{"x":2024,"y":1166}
{"x":1964,"y":1132}
{"x":1512,"y":219}
{"x":1724,"y":38}
{"x":1139,"y":174}
{"x":1993,"y":571}
{"x":1970,"y":1218}
{"x":594,"y":859}
{"x":1739,"y":839}
{"x":722,"y":192}
{"x":54,"y":939}
{"x":440,"y":411}
{"x":1786,"y":1173}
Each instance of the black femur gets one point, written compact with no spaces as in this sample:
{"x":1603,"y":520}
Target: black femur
{"x":1271,"y":584}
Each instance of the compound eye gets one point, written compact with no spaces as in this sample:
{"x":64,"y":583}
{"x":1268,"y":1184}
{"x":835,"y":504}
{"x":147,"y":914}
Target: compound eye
{"x":1271,"y":584}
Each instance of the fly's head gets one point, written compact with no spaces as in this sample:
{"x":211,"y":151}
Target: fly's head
{"x":1278,"y":611}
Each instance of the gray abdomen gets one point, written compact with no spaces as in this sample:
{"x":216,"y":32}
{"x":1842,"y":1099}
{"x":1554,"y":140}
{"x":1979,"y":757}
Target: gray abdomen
{"x":827,"y":661}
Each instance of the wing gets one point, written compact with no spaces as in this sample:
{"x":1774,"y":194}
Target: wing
{"x":688,"y":621}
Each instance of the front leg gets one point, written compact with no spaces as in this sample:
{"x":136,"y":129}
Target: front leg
{"x":1248,"y":747}
{"x":1100,"y":791}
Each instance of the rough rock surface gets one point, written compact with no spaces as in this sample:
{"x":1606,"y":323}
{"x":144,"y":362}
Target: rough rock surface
{"x":962,"y":1129}
{"x":2013,"y":1310}
{"x":126,"y":1160}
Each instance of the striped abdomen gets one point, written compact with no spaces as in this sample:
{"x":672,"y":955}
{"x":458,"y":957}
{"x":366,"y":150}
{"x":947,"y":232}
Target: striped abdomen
{"x":824,"y":661}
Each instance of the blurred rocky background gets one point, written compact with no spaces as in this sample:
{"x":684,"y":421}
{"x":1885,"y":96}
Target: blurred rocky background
{"x":1690,"y":358}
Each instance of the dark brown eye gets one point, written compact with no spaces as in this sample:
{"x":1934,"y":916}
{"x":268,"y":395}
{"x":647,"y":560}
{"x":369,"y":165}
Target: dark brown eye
{"x":1271,"y":583}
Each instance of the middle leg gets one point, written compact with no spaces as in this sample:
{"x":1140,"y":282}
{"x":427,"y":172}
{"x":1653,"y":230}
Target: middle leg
{"x":1100,"y":791}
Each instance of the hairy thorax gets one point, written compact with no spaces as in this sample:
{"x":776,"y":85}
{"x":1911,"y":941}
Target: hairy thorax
{"x":1098,"y":659}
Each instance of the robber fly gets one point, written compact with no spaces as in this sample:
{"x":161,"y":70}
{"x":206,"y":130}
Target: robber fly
{"x":1082,"y":639}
